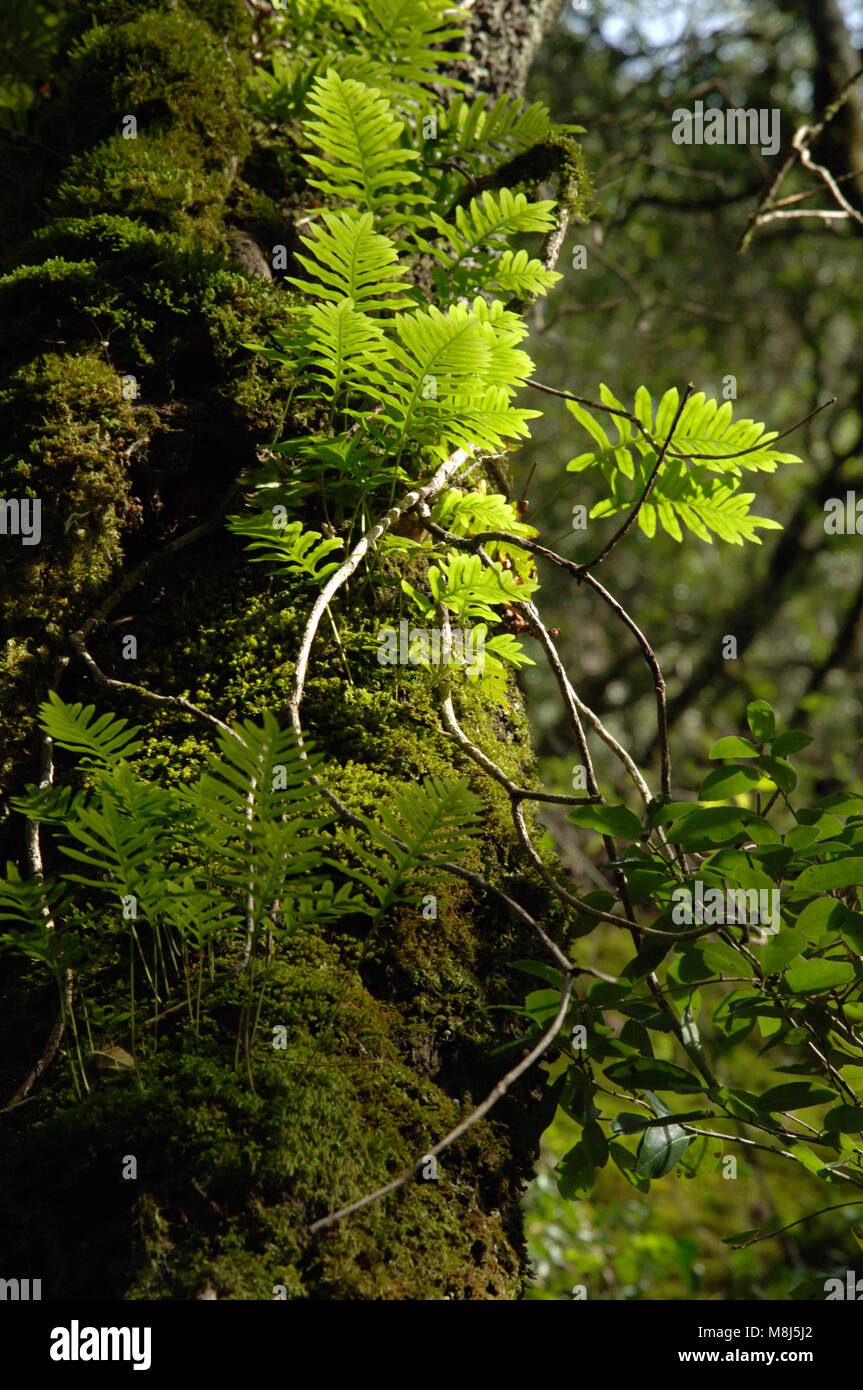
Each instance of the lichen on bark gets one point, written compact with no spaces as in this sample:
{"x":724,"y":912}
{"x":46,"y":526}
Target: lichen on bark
{"x":133,"y":271}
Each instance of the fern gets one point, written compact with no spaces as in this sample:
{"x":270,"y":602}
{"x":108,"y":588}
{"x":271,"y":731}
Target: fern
{"x":469,"y":513}
{"x":344,"y":468}
{"x":508,"y":126}
{"x":436,"y":821}
{"x":349,"y":260}
{"x":682,"y":492}
{"x":259,"y":816}
{"x":452,"y":376}
{"x":343,"y":350}
{"x":398,"y":37}
{"x":33,"y":905}
{"x":29,"y":900}
{"x":365,"y":162}
{"x":122,"y":837}
{"x":101,"y":741}
{"x":469,"y":589}
{"x":476,"y":257}
{"x":402,"y":47}
{"x":295,"y":551}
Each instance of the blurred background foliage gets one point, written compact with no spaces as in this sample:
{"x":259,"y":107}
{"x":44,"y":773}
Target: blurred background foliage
{"x":665,"y":299}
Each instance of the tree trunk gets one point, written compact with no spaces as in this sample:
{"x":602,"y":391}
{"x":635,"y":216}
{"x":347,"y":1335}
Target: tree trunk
{"x":132,"y":407}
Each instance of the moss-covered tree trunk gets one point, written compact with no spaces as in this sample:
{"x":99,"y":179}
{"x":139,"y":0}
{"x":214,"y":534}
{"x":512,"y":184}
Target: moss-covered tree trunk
{"x":138,"y":262}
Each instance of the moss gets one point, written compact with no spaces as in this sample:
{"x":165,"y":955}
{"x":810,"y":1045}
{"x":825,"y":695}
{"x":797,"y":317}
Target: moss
{"x":164,"y":182}
{"x":227,"y":1179}
{"x":166,"y":71}
{"x":132,"y":274}
{"x":228,"y":18}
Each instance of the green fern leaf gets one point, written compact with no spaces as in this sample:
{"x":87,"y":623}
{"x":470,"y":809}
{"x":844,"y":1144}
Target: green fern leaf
{"x":706,"y":440}
{"x":519,"y":275}
{"x":294,"y":550}
{"x":344,"y":349}
{"x":468,"y":514}
{"x":123,"y":838}
{"x":364,"y":163}
{"x":352,"y":261}
{"x":476,"y":256}
{"x":258,"y":815}
{"x":469,"y":588}
{"x":101,"y":741}
{"x":436,"y":821}
{"x":402,"y":47}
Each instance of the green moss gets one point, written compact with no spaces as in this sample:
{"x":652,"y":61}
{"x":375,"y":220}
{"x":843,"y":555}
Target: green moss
{"x":132,"y":274}
{"x":229,"y":18}
{"x":228,"y":1179}
{"x":163,"y":69}
{"x":161,"y":180}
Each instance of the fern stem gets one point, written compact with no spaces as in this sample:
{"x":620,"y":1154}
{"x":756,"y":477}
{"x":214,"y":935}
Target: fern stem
{"x":339,"y":645}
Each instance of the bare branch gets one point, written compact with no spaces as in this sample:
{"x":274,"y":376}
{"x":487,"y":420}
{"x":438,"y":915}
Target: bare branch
{"x":473,"y":1118}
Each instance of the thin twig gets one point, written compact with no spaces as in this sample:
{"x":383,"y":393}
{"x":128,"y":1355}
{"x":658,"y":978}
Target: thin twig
{"x":481,"y":1110}
{"x":780,"y":1230}
{"x":447,"y":469}
{"x":77,"y":643}
{"x":648,"y":487}
{"x":803,"y":138}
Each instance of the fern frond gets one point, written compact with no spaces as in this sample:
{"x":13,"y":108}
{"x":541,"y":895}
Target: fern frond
{"x":489,"y":221}
{"x":436,"y":821}
{"x":26,"y":901}
{"x":357,"y":467}
{"x":485,"y":422}
{"x":452,"y":375}
{"x":343,"y":348}
{"x":101,"y":741}
{"x":350,"y":260}
{"x":48,"y":805}
{"x":258,"y":814}
{"x":121,"y":833}
{"x":683,"y":493}
{"x":469,"y":588}
{"x":702,"y":505}
{"x":398,"y":37}
{"x":469,"y":513}
{"x":386,"y":43}
{"x":508,"y":125}
{"x":364,"y":161}
{"x":294,"y":550}
{"x":520,"y":275}
{"x":705,"y":427}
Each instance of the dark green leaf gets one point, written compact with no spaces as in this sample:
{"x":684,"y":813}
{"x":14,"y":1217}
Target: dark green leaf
{"x":795,"y":1095}
{"x":642,"y":1072}
{"x":844,"y":1119}
{"x":838,"y":873}
{"x":790,"y":742}
{"x":733,"y":748}
{"x":761,"y":720}
{"x":608,"y":820}
{"x":812,"y":976}
{"x":725,"y":782}
{"x":781,"y":773}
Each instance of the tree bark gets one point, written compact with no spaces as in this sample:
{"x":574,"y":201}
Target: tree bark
{"x":133,"y":406}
